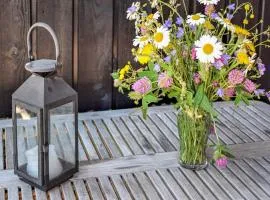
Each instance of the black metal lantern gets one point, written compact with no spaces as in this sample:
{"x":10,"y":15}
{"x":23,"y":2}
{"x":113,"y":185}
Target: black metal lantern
{"x":45,"y":126}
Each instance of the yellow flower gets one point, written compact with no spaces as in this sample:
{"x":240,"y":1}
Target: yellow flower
{"x":208,"y":25}
{"x":252,"y":16}
{"x":121,"y":77}
{"x":124,"y":70}
{"x":247,"y":7}
{"x":241,"y":31}
{"x":245,"y":21}
{"x":144,"y":54}
{"x":249,"y":46}
{"x":242,"y":58}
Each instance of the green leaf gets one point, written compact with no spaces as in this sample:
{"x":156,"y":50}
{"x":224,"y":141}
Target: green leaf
{"x":151,"y":66}
{"x":173,"y":94}
{"x":199,"y":95}
{"x":153,"y":76}
{"x":150,"y":99}
{"x":202,"y":101}
{"x":147,"y":99}
{"x":115,"y":75}
{"x":245,"y":99}
{"x":238,"y":99}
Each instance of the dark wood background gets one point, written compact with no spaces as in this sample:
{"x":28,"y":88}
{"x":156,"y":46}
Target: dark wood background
{"x":95,"y":38}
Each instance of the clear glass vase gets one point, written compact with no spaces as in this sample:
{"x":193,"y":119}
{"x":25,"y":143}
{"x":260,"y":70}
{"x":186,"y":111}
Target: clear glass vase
{"x":193,"y":128}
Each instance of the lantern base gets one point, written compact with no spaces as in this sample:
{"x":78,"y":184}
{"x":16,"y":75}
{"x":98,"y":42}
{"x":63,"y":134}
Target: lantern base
{"x":67,"y":174}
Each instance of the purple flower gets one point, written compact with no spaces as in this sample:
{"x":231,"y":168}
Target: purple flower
{"x":224,"y":60}
{"x":249,"y":86}
{"x":218,"y":64}
{"x":167,"y":59}
{"x":164,"y":81}
{"x":236,"y":77}
{"x":231,"y":6}
{"x":168,"y":24}
{"x":132,"y":9}
{"x":157,"y":68}
{"x":229,"y":16}
{"x":179,"y":21}
{"x":222,"y":162}
{"x":220,"y":92}
{"x":192,"y":27}
{"x":197,"y":78}
{"x":142,"y":85}
{"x":214,"y":15}
{"x":261,"y":68}
{"x":259,"y":92}
{"x":180,"y":33}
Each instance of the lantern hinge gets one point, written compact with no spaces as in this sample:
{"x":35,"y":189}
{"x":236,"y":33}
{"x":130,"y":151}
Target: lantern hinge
{"x":45,"y":148}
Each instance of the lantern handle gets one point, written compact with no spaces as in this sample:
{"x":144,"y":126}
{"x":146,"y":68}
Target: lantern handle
{"x":50,"y":30}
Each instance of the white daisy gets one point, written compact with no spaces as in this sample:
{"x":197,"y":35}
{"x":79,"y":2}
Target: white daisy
{"x":196,"y":19}
{"x":208,"y":48}
{"x":226,"y":23}
{"x":162,"y":37}
{"x":208,"y":2}
{"x":132,"y":11}
{"x":141,"y":41}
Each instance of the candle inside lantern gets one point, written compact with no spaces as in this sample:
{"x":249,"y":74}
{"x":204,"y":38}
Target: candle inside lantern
{"x":55,"y":166}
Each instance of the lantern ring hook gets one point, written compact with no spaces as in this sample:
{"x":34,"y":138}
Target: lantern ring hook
{"x":50,"y":30}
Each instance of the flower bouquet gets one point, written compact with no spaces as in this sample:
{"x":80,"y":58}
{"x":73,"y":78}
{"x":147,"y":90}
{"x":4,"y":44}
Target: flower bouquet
{"x":195,"y":60}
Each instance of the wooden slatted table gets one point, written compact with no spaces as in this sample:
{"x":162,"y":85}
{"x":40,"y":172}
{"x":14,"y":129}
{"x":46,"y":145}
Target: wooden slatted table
{"x":125,"y":157}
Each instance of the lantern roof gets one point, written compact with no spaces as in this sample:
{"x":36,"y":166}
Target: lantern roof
{"x":41,"y":91}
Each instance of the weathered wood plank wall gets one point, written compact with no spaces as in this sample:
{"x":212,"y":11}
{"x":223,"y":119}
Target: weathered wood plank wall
{"x":95,"y":38}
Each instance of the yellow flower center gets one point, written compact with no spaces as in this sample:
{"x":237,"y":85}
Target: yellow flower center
{"x":208,"y":49}
{"x":151,"y":16}
{"x":196,"y":17}
{"x":159,"y":37}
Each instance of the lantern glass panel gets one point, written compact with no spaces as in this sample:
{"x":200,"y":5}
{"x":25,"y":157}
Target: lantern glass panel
{"x":61,"y":140}
{"x":27,"y":141}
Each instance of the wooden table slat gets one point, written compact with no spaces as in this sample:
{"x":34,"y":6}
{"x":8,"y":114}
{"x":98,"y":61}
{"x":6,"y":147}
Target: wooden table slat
{"x":160,"y":186}
{"x":67,"y":191}
{"x":173,"y":186}
{"x":120,"y":187}
{"x":87,"y":142}
{"x":13,"y":192}
{"x":108,"y":140}
{"x":40,"y":195}
{"x":81,"y":190}
{"x":9,"y":148}
{"x":127,"y":135}
{"x":134,"y":187}
{"x":124,"y":148}
{"x":82,"y":154}
{"x":147,"y":186}
{"x":144,"y":130}
{"x":26,"y":191}
{"x":97,"y":140}
{"x":55,"y":193}
{"x":94,"y":188}
{"x":107,"y":188}
{"x":141,"y":140}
